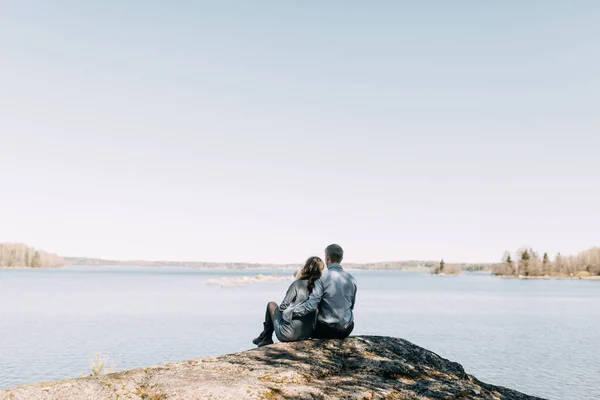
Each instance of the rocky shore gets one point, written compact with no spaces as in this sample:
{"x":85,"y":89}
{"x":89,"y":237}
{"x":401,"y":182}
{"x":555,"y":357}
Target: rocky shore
{"x":362,"y":367}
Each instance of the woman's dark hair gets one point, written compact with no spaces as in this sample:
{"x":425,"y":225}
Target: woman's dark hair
{"x":311,"y":272}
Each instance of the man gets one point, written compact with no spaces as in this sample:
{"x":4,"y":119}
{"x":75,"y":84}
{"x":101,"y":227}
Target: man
{"x":333,"y":296}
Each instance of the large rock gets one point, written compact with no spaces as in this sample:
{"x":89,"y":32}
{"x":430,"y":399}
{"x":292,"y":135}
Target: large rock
{"x":364,"y":367}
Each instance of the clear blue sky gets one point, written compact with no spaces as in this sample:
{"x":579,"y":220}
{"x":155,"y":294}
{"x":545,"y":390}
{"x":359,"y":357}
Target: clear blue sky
{"x":263,"y":131}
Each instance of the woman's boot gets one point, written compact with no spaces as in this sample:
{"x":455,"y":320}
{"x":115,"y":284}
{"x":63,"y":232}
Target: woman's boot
{"x":267,"y":338}
{"x":266,"y":329}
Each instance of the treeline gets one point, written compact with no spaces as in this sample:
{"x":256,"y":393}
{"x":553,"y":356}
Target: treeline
{"x":386,"y":265}
{"x":20,"y":255}
{"x":84,"y":261}
{"x":477,"y":267}
{"x":527,"y":262}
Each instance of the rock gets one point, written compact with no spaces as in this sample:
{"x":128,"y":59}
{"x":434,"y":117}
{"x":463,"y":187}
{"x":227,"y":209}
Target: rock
{"x":362,"y":367}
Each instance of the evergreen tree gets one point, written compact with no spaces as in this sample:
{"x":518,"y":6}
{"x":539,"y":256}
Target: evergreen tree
{"x":524,"y":267}
{"x":442,"y":264}
{"x":546,"y":264}
{"x":509,"y":264}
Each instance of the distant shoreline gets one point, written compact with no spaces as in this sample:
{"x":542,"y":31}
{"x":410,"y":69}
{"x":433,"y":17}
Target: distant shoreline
{"x":19,"y":268}
{"x":212,"y":268}
{"x":219,"y":267}
{"x":413,"y":265}
{"x":215,"y":267}
{"x":574,"y":278}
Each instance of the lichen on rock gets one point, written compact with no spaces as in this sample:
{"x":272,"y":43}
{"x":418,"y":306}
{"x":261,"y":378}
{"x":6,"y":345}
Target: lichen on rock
{"x":362,"y":367}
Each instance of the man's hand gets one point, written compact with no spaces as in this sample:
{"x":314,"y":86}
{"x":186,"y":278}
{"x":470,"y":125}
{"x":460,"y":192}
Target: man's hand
{"x":312,"y":304}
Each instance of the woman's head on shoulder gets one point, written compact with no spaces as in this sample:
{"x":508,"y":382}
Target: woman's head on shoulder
{"x":312,"y":270}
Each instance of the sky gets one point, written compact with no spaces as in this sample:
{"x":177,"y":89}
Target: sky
{"x":245,"y":131}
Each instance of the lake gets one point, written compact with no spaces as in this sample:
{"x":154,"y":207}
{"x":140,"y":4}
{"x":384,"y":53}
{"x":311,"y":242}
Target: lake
{"x":537,"y":336}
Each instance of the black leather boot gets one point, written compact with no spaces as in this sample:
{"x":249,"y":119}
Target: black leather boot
{"x":267,"y":340}
{"x":266,"y":329}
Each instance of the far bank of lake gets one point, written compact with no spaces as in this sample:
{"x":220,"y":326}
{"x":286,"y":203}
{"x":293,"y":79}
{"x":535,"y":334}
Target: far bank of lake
{"x":570,"y":278}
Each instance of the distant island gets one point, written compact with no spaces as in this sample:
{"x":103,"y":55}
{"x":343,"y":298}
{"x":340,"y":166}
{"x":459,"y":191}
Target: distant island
{"x":446,"y":269}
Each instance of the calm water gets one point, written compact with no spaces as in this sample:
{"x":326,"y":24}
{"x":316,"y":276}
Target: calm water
{"x":540,"y":337}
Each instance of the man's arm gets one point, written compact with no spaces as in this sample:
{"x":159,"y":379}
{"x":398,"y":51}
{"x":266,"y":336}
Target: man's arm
{"x":354,"y":297}
{"x":290,"y":296}
{"x":313,"y":301}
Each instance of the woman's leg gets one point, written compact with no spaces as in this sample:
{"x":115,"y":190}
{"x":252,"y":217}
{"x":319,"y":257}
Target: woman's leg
{"x":271,"y":316}
{"x":266,"y":336}
{"x":272,"y":313}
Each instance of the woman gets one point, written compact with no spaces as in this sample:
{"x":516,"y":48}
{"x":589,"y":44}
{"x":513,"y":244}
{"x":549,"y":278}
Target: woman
{"x":298,"y":292}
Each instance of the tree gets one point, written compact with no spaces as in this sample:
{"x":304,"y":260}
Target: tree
{"x":11,"y":258}
{"x":505,"y":268}
{"x":524,"y":264}
{"x":20,"y":255}
{"x":546,"y":265}
{"x":558,"y":263}
{"x":442,"y":264}
{"x":585,"y":263}
{"x":511,"y":267}
{"x":36,"y":262}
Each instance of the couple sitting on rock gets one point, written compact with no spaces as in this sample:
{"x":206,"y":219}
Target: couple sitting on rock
{"x":319,"y":304}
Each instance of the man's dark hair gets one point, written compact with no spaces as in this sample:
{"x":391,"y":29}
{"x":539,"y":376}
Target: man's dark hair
{"x":335,"y":253}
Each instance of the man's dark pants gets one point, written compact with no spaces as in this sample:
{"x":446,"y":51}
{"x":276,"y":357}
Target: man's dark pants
{"x":323,"y":331}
